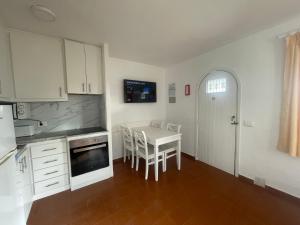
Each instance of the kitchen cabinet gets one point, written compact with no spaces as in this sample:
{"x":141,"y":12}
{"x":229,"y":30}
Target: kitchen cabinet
{"x":24,"y":182}
{"x":93,"y":69}
{"x":75,"y":67}
{"x":38,"y":67}
{"x":84,"y":68}
{"x":6,"y":81}
{"x":50,"y":167}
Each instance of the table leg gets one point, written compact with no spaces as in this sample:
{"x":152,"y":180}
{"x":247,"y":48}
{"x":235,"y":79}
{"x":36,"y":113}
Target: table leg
{"x":156,"y":162}
{"x":179,"y":154}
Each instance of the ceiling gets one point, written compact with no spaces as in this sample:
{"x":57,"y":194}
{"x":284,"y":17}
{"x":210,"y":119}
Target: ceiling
{"x":157,"y":32}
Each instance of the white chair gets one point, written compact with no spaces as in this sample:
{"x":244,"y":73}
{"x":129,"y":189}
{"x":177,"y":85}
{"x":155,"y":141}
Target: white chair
{"x":170,"y":149}
{"x":156,"y":123}
{"x":145,"y":151}
{"x":128,"y":144}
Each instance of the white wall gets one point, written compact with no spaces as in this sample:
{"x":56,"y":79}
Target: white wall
{"x":258,"y":62}
{"x":133,"y":112}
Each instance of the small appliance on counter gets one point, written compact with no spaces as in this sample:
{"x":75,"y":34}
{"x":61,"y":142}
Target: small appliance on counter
{"x":24,"y":130}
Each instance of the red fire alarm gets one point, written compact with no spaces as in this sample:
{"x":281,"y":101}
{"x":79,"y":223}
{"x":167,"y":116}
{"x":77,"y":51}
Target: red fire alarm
{"x":187,"y":89}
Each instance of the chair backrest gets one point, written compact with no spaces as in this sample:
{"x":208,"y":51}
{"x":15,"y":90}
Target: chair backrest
{"x":140,"y":141}
{"x":156,"y":123}
{"x":174,"y":127}
{"x":127,"y":138}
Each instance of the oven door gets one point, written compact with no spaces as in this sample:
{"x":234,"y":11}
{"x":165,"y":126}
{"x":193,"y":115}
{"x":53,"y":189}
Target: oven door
{"x":89,"y":158}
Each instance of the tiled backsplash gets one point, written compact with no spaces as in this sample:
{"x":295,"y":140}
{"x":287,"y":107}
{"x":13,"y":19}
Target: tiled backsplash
{"x":80,"y":111}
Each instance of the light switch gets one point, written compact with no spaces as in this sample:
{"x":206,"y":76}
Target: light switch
{"x":248,"y":123}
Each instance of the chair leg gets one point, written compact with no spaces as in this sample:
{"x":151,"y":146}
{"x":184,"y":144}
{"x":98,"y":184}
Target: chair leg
{"x":137,"y":162}
{"x":132,"y":160}
{"x":146,"y":170}
{"x":124,"y":155}
{"x":165,"y":162}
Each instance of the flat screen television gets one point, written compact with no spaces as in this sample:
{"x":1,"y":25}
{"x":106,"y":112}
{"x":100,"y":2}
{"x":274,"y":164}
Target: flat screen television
{"x":136,"y":91}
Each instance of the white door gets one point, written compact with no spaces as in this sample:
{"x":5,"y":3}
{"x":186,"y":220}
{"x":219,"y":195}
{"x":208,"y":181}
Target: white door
{"x":75,"y":66}
{"x":217,"y":116}
{"x":6,"y":81}
{"x":37,"y":67}
{"x":93,"y":69}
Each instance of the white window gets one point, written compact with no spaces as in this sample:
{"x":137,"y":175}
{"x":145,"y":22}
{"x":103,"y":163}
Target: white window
{"x":216,"y":86}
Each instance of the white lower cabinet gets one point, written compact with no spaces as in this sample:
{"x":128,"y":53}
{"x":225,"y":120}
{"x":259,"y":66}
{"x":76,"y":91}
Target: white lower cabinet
{"x":49,"y":167}
{"x":50,"y":172}
{"x":24,"y":182}
{"x":51,"y":184}
{"x":49,"y":161}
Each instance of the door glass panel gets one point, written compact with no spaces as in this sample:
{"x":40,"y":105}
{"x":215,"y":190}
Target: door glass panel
{"x":216,"y":86}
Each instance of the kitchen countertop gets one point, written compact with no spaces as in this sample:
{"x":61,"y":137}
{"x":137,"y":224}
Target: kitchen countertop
{"x":57,"y":135}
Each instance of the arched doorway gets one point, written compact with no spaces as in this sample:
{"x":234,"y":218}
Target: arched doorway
{"x":217,"y":120}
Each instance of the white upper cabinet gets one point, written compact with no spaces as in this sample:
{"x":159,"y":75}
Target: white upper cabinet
{"x":93,"y":69}
{"x":75,"y":66}
{"x":6,"y":81}
{"x":38,"y":67}
{"x":83,"y":65}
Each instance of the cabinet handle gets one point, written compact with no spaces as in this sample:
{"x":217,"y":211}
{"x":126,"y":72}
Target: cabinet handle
{"x":48,"y":149}
{"x":49,"y":185}
{"x":21,"y":165}
{"x":90,"y":88}
{"x":60,"y":91}
{"x":0,"y":87}
{"x":83,"y":88}
{"x":25,"y":162}
{"x":56,"y":171}
{"x":50,"y":161}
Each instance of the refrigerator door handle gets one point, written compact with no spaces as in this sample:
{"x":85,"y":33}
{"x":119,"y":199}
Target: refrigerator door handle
{"x":7,"y":156}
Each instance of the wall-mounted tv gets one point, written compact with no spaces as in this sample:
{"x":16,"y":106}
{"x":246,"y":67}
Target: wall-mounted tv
{"x":136,"y":91}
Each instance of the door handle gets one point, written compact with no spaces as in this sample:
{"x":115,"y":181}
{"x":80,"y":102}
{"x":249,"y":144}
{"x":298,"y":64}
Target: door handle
{"x":49,"y":185}
{"x":50,"y":161}
{"x":233,"y":120}
{"x":60,"y":92}
{"x":56,"y":171}
{"x":48,"y":149}
{"x":89,"y":148}
{"x":83,"y":88}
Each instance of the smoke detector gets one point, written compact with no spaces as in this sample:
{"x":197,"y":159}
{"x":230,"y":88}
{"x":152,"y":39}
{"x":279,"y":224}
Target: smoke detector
{"x":43,"y":13}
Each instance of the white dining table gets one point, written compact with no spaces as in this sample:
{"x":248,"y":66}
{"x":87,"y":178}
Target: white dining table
{"x":157,"y":137}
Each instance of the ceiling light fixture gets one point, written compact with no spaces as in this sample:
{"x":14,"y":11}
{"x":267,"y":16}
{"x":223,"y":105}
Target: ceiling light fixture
{"x":43,"y":13}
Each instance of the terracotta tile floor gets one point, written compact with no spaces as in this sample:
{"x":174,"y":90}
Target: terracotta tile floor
{"x":198,"y":194}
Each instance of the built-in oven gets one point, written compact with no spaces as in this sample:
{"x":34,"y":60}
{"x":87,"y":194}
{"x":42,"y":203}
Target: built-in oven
{"x":88,"y":154}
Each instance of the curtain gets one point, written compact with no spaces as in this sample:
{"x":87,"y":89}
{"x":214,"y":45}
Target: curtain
{"x":289,"y":135}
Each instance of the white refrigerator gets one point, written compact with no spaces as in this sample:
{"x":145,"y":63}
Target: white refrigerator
{"x":11,"y":212}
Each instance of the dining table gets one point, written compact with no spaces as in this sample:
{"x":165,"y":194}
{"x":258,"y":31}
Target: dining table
{"x":157,"y":137}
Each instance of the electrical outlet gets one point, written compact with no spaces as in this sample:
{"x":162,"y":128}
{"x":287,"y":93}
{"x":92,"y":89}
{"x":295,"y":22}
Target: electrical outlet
{"x":43,"y":124}
{"x":260,"y":182}
{"x":23,"y":110}
{"x":248,"y":123}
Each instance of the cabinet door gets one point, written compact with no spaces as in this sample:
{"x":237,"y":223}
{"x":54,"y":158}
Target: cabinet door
{"x":24,"y":182}
{"x":93,"y":69}
{"x":6,"y":81}
{"x":75,"y":65}
{"x":28,"y":184}
{"x":37,"y":66}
